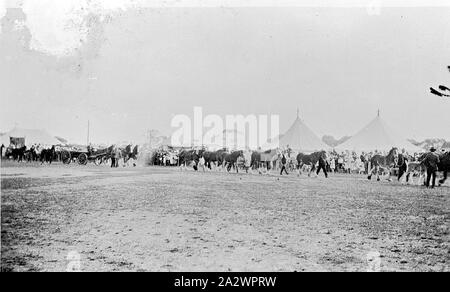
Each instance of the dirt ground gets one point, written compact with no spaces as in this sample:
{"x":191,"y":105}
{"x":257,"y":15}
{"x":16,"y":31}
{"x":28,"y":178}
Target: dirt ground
{"x":161,"y":219}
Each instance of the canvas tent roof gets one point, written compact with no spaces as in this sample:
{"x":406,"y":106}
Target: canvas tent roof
{"x":300,"y":137}
{"x":377,"y":135}
{"x":4,"y":139}
{"x":32,"y":136}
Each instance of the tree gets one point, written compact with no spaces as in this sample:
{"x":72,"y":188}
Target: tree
{"x":443,"y":91}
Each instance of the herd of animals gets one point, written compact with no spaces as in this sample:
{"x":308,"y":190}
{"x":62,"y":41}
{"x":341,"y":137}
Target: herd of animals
{"x":261,"y":161}
{"x":111,"y":154}
{"x":265,"y":161}
{"x":19,"y":154}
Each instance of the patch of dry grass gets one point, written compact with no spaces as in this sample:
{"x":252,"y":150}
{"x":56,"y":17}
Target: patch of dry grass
{"x":155,"y":219}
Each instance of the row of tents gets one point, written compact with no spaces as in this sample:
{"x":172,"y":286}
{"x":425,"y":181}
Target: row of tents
{"x":377,"y":135}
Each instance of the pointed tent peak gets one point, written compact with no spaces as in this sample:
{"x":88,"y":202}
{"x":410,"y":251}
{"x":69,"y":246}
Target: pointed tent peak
{"x":300,"y":137}
{"x":298,"y":117}
{"x":377,"y":135}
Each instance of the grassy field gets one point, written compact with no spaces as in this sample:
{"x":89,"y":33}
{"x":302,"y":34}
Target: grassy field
{"x":161,"y":219}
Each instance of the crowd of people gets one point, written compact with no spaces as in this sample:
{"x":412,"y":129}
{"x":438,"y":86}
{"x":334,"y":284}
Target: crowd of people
{"x":36,"y":152}
{"x":344,"y":162}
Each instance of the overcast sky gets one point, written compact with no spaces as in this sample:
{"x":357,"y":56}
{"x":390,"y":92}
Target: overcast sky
{"x":128,"y":69}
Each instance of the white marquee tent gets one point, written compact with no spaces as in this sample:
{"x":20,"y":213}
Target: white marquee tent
{"x":377,"y":135}
{"x":299,"y":137}
{"x":32,"y":136}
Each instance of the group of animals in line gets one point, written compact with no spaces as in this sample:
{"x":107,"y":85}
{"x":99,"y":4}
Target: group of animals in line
{"x":49,"y":155}
{"x":408,"y":168}
{"x":45,"y":155}
{"x":263,"y":162}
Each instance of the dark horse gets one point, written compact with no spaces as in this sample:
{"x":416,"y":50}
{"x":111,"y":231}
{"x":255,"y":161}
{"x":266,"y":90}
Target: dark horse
{"x":47,"y":155}
{"x":31,"y":154}
{"x":231,"y":160}
{"x":444,"y":166}
{"x":215,"y":157}
{"x":188,"y":156}
{"x":16,"y":153}
{"x":309,"y":160}
{"x":128,"y":154}
{"x":383,"y":162}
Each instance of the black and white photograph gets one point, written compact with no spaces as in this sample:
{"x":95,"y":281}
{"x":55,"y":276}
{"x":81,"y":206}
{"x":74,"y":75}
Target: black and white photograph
{"x":246,"y":138}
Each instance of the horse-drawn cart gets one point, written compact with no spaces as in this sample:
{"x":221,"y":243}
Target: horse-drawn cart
{"x":85,"y":156}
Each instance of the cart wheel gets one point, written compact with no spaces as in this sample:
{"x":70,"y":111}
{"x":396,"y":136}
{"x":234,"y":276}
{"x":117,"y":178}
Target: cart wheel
{"x":98,"y":161}
{"x":66,"y":158}
{"x":82,"y":159}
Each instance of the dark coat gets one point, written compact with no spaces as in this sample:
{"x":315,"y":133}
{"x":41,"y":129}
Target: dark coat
{"x":431,"y":160}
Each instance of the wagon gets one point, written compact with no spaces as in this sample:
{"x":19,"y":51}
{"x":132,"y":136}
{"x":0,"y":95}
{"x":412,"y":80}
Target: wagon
{"x":83,"y":157}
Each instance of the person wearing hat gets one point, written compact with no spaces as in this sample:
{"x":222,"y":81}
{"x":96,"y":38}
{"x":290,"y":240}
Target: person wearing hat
{"x":431,"y":161}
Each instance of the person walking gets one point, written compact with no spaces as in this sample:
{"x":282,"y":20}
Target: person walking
{"x":323,"y":164}
{"x":196,"y":159}
{"x":333,"y":164}
{"x":402,"y":164}
{"x":1,"y":151}
{"x":113,"y":157}
{"x":431,"y":161}
{"x":283,"y":165}
{"x":341,"y":162}
{"x":201,"y":163}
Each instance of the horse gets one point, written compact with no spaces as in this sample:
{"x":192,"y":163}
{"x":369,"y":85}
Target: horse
{"x":16,"y":153}
{"x":244,"y":161}
{"x":415,"y":168}
{"x":47,"y":155}
{"x":231,"y":160}
{"x":128,"y":154}
{"x":308,"y":162}
{"x":444,"y":166}
{"x":266,"y":158}
{"x":31,"y":154}
{"x":383,"y":162}
{"x":215,"y":157}
{"x":418,"y":168}
{"x":189,"y":156}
